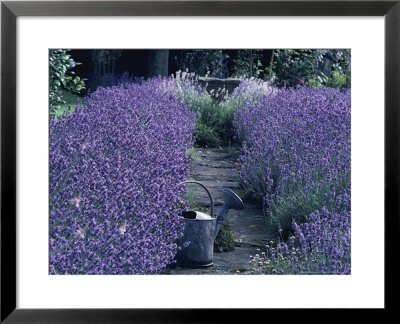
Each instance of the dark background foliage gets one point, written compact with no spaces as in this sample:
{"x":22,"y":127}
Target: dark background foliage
{"x":136,"y":62}
{"x":314,"y":67}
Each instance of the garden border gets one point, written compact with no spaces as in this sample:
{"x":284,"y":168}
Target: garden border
{"x":10,"y":10}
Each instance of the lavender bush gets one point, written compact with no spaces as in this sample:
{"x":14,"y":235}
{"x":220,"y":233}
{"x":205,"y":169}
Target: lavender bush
{"x":296,"y":158}
{"x":320,"y":246}
{"x":213,"y":115}
{"x":114,"y":167}
{"x":251,"y":90}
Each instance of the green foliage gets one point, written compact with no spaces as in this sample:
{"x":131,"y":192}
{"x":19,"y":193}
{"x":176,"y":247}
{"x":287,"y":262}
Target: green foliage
{"x":316,"y":81}
{"x":213,"y":119}
{"x":224,"y":240}
{"x":224,"y":122}
{"x":247,"y":63}
{"x":296,"y":206}
{"x":341,"y":75}
{"x":338,"y":79}
{"x":293,"y":67}
{"x":190,"y":198}
{"x":69,"y":106}
{"x":271,"y":262}
{"x":206,"y":135}
{"x":193,"y":155}
{"x":293,"y":207}
{"x":201,"y":61}
{"x":304,"y":67}
{"x":61,"y":77}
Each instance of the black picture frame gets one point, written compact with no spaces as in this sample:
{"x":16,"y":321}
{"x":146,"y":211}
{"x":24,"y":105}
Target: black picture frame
{"x":10,"y":10}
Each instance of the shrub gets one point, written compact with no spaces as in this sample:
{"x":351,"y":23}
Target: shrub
{"x":250,"y":91}
{"x":206,"y":136}
{"x":62,"y":77}
{"x":338,"y":79}
{"x":244,"y":97}
{"x":296,"y":158}
{"x":224,"y":240}
{"x":296,"y":150}
{"x":247,"y":63}
{"x":306,"y":67}
{"x":214,"y":120}
{"x":321,"y":246}
{"x":114,"y":167}
{"x":71,"y":101}
{"x":291,"y":67}
{"x":201,"y":61}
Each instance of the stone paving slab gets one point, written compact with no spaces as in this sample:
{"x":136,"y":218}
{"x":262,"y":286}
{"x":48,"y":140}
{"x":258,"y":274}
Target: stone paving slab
{"x":223,"y":263}
{"x":217,"y":169}
{"x":218,"y":164}
{"x":205,"y":171}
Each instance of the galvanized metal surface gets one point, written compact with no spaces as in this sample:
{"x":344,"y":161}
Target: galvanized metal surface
{"x":249,"y":225}
{"x":200,"y":236}
{"x":200,"y":231}
{"x":231,"y":201}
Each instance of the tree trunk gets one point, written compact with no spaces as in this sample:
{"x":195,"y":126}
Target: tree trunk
{"x":157,"y":63}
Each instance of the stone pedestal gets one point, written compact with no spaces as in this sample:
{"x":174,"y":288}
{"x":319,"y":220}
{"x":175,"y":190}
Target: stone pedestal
{"x":216,"y":83}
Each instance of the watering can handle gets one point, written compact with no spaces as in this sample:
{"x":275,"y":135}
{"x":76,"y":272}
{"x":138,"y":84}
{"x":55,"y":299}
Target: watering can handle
{"x":205,"y":188}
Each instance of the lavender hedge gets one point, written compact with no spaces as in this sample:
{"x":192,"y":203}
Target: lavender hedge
{"x":114,"y":167}
{"x":296,"y":158}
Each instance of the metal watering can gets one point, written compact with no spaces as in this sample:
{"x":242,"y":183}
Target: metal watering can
{"x":201,"y":230}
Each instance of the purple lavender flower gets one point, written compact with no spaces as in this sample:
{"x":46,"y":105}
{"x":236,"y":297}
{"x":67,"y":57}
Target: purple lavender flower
{"x":114,"y":166}
{"x":296,"y":158}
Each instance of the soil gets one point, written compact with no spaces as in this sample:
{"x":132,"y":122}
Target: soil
{"x":216,"y":170}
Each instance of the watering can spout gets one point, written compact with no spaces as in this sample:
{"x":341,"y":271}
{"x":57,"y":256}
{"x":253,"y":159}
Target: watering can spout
{"x":231,"y":201}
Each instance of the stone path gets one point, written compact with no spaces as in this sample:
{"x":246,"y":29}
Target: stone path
{"x":216,"y":170}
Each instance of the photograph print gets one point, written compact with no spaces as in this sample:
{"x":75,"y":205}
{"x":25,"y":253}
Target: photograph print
{"x":199,"y":161}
